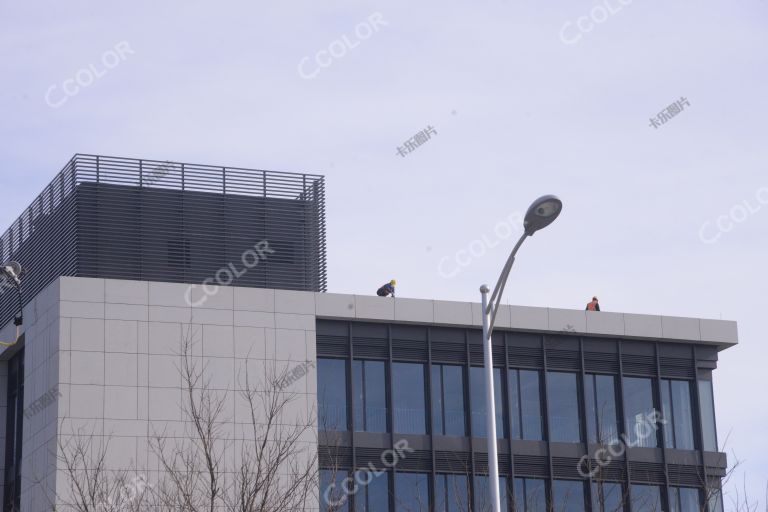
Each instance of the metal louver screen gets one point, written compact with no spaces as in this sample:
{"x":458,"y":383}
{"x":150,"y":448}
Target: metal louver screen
{"x":121,"y":218}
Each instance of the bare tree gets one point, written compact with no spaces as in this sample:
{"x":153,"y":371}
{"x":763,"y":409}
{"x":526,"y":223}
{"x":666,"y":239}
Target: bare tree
{"x":90,"y":486}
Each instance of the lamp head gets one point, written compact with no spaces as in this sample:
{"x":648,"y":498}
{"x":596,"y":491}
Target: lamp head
{"x":542,"y":213}
{"x":12,"y":270}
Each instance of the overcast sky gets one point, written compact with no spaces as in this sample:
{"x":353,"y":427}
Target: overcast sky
{"x":526,"y":98}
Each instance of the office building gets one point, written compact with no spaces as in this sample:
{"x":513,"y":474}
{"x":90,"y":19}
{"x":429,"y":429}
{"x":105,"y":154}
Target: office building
{"x":595,"y":411}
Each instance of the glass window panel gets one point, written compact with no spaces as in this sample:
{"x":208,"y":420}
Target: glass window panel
{"x":715,"y":501}
{"x":373,"y":497}
{"x":563,"y":405}
{"x":408,"y":402}
{"x":607,"y":497}
{"x":676,"y":407}
{"x":639,"y":411}
{"x":482,"y":496}
{"x":448,"y":413}
{"x":453,"y":392}
{"x":333,"y":497}
{"x":411,"y":492}
{"x":645,"y":498}
{"x":530,"y":392}
{"x":683,"y":415}
{"x":600,"y":400}
{"x":525,"y":404}
{"x":674,"y":499}
{"x":568,"y":496}
{"x":707,"y":415}
{"x":370,"y":396}
{"x":477,"y":388}
{"x":689,"y":500}
{"x":530,"y":495}
{"x":332,"y":394}
{"x":515,"y":407}
{"x":684,"y":499}
{"x":451,"y":493}
{"x":518,"y":495}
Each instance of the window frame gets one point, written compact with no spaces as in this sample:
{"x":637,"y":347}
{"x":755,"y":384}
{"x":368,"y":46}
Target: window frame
{"x":517,"y":414}
{"x":347,"y":393}
{"x":578,"y":395}
{"x":425,"y":397}
{"x":443,"y":430}
{"x":364,"y":398}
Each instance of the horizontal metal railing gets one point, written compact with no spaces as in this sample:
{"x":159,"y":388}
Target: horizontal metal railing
{"x":48,"y":237}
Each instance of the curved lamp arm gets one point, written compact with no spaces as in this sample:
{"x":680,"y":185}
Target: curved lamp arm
{"x":501,"y":283}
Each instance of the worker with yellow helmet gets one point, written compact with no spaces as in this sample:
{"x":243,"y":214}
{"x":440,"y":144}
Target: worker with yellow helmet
{"x":387,"y":290}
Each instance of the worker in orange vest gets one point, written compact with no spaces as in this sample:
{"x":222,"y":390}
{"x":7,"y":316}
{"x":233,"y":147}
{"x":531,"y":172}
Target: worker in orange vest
{"x":594,"y":305}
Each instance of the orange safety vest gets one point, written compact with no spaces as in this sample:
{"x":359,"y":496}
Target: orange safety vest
{"x":591,"y":306}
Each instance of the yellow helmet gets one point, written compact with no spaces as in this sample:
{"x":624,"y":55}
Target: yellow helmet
{"x":393,"y":282}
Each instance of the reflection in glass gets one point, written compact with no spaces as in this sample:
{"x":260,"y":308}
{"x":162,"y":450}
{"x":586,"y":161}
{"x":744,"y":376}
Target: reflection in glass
{"x":479,"y":411}
{"x":684,"y":499}
{"x":530,"y":495}
{"x":568,"y":496}
{"x":525,"y":404}
{"x":676,"y":407}
{"x":600,"y":400}
{"x":645,"y":498}
{"x":639,"y":413}
{"x":451,"y":493}
{"x":448,"y":413}
{"x":333,"y":496}
{"x":370,"y":394}
{"x":373,"y":497}
{"x":607,"y":497}
{"x":408,"y":402}
{"x":715,"y":501}
{"x":332,"y":394}
{"x":411,"y":492}
{"x":563,"y":406}
{"x":481,"y":501}
{"x":707,"y":400}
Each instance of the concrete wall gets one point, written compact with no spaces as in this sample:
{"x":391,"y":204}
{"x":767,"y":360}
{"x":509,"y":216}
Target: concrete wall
{"x":720,"y":333}
{"x":113,"y":348}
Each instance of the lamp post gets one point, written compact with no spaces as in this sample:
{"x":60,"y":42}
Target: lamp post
{"x":540,"y":214}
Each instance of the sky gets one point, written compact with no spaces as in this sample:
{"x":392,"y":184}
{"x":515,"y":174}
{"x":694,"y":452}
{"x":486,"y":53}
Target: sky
{"x":646,"y":117}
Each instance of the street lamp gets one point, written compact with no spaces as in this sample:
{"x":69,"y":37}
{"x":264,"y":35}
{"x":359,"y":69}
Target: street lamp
{"x":540,"y":214}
